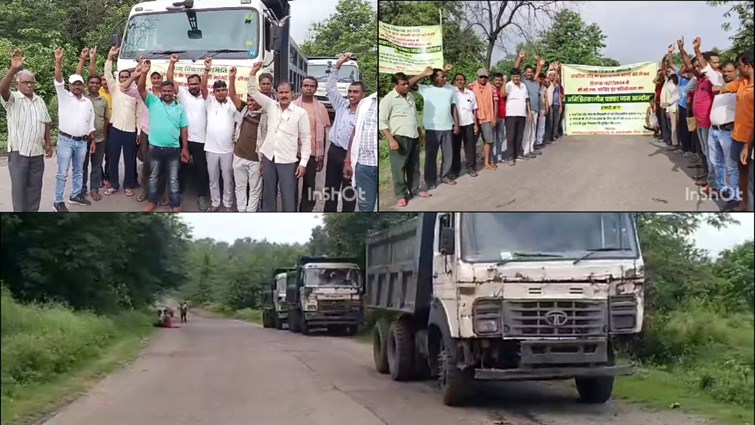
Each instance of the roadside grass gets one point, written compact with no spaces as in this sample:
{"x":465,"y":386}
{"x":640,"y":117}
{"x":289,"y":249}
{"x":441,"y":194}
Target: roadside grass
{"x":247,"y":314}
{"x":51,"y":354}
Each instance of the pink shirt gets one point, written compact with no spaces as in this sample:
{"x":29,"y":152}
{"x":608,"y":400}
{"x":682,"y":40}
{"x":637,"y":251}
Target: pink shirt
{"x":703,"y":101}
{"x":142,"y":113}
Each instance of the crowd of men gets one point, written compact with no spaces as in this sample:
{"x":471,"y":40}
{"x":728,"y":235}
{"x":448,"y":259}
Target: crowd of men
{"x":704,"y":111}
{"x":258,"y":149}
{"x":516,"y":120}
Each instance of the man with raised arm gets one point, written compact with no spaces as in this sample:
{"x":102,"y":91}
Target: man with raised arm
{"x":168,"y":139}
{"x":287,"y":124}
{"x":28,"y":135}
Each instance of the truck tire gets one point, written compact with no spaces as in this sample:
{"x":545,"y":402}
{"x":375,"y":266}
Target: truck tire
{"x":293,"y":321}
{"x":380,"y":346}
{"x":278,"y":322}
{"x":352,"y":330}
{"x":595,"y":390}
{"x":400,"y":350}
{"x":265,"y":319}
{"x":454,"y":383}
{"x":303,"y":325}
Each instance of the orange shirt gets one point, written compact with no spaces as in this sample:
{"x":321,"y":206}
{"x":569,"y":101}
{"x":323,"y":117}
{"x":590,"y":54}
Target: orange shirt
{"x":743,"y":117}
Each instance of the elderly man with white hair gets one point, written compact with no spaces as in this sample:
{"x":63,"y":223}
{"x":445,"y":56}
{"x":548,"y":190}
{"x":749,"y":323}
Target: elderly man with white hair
{"x":28,"y":135}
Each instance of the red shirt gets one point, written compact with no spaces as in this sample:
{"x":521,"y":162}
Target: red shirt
{"x":703,"y":102}
{"x":658,"y":88}
{"x":501,"y":102}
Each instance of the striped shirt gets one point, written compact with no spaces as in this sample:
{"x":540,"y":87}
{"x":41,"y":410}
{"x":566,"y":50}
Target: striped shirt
{"x":322,"y":121}
{"x":26,"y":123}
{"x":124,"y":111}
{"x":345,"y":120}
{"x":369,"y":135}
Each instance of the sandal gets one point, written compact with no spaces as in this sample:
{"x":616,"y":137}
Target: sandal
{"x":142,"y":197}
{"x":164,"y":202}
{"x":95,"y":195}
{"x":129,"y":192}
{"x":401,"y":202}
{"x":424,"y":194}
{"x":107,"y":184}
{"x":109,"y":191}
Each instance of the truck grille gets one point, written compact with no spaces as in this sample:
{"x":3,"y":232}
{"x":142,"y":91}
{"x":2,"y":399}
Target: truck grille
{"x":554,"y":318}
{"x":337,"y":305}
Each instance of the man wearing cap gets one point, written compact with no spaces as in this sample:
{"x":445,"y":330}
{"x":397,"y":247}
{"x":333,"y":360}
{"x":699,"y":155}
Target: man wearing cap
{"x":28,"y":135}
{"x":487,"y":114}
{"x":75,"y":134}
{"x":221,"y":121}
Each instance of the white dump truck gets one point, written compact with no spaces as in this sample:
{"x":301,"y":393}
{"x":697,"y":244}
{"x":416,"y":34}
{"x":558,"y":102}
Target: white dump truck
{"x":505,"y":296}
{"x":321,"y":67}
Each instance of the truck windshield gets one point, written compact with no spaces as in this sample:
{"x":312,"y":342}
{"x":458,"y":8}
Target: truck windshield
{"x":332,"y":277}
{"x":347,"y":73}
{"x":221,"y":29}
{"x":496,"y":237}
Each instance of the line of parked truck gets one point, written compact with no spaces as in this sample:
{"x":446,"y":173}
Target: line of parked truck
{"x":481,"y":296}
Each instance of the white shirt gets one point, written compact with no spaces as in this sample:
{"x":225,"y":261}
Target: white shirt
{"x":466,"y":105}
{"x":221,"y":121}
{"x":26,"y":123}
{"x":670,"y":96}
{"x":516,"y":99}
{"x":75,"y":116}
{"x":285,"y":127}
{"x":724,"y":105}
{"x":196,"y":110}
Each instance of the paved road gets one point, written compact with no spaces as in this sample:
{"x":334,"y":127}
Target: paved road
{"x":226,"y":372}
{"x":578,"y":173}
{"x":118,"y":202}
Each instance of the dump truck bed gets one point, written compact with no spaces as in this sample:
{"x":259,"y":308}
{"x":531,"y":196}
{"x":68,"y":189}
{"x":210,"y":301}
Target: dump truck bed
{"x":399,"y":266}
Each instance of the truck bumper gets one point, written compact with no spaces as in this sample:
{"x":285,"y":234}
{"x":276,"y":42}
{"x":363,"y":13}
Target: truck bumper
{"x":526,"y":374}
{"x":325,"y":319}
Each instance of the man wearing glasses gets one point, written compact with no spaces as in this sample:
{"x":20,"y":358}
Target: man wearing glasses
{"x":28,"y":135}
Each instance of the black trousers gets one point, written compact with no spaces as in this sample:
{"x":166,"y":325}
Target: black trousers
{"x":336,"y":186}
{"x":514,"y":135}
{"x":308,"y":200}
{"x":467,"y":136}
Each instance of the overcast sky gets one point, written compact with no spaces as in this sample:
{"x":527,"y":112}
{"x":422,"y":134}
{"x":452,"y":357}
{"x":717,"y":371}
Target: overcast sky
{"x":292,"y":228}
{"x":640,"y":31}
{"x":306,"y":12}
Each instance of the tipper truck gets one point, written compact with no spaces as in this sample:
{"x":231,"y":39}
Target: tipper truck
{"x":505,"y":296}
{"x":327,"y":292}
{"x":275,"y":312}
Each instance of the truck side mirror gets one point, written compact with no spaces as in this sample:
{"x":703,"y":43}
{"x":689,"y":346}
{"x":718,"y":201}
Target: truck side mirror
{"x":277,"y":33}
{"x":447,"y":241}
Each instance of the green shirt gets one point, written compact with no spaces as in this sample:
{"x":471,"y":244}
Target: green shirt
{"x":166,"y":122}
{"x":399,"y":114}
{"x":101,"y":113}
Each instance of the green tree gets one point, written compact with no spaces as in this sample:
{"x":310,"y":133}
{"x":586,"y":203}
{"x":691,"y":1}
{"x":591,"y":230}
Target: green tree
{"x":570,"y":40}
{"x":353,"y":28}
{"x":742,"y":40}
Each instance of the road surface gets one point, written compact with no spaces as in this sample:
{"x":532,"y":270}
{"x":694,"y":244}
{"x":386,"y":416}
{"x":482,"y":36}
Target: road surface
{"x":578,"y":173}
{"x":227,"y":372}
{"x":118,"y":202}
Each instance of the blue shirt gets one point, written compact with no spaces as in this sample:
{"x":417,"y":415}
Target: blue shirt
{"x":345,"y":121}
{"x":557,"y":95}
{"x":437,"y":114}
{"x":682,"y":92}
{"x":533,"y":88}
{"x":166,"y":122}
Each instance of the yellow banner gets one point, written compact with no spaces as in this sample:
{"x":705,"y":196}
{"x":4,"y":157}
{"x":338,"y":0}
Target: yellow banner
{"x":183,"y":71}
{"x":607,"y":100}
{"x":409,"y":49}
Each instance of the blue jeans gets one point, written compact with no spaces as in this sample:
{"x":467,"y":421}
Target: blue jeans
{"x":500,"y":140}
{"x":719,"y":146}
{"x":70,"y":151}
{"x":367,"y":186}
{"x":736,"y":150}
{"x":164,"y":160}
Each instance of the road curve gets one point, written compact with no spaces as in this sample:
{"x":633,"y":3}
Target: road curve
{"x":228,"y":372}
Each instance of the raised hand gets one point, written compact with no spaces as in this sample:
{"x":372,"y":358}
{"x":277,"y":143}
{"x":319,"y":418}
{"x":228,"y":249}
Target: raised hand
{"x":428,"y":71}
{"x":113,"y":52}
{"x":680,"y":43}
{"x":207,"y":64}
{"x":84,"y":53}
{"x":93,"y":52}
{"x":540,"y":61}
{"x":522,"y":54}
{"x":670,"y":49}
{"x":342,"y":59}
{"x":17,"y":60}
{"x":256,"y":68}
{"x":696,"y":43}
{"x":174,"y":58}
{"x":59,"y":54}
{"x":232,"y":73}
{"x":448,"y":67}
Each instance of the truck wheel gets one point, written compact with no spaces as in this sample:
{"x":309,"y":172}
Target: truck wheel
{"x":400,"y":350}
{"x":380,"y":346}
{"x":352,"y":330}
{"x":293,"y":322}
{"x":454,"y":383}
{"x":595,"y":390}
{"x":278,"y":322}
{"x":303,"y":326}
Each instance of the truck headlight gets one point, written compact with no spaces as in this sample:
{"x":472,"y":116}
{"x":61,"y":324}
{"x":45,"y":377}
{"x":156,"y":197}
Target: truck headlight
{"x":486,"y":326}
{"x":311,"y":307}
